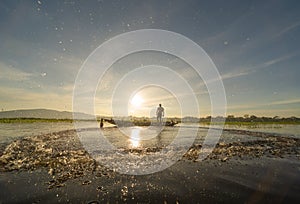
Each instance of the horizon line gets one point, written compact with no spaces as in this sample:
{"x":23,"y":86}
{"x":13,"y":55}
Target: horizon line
{"x":171,"y":116}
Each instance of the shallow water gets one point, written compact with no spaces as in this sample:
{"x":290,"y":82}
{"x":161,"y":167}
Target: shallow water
{"x":287,"y":130}
{"x":12,"y":131}
{"x":277,"y":129}
{"x":142,"y":150}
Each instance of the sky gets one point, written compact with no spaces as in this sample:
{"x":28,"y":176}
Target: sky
{"x":253,"y":44}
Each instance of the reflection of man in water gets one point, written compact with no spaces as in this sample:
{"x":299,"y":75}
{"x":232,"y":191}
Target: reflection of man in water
{"x":160,"y":111}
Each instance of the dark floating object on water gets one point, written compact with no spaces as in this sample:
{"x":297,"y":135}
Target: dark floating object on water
{"x":141,"y":122}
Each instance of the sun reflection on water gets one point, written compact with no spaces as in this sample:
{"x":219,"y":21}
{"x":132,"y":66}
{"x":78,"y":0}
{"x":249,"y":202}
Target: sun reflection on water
{"x":135,"y":137}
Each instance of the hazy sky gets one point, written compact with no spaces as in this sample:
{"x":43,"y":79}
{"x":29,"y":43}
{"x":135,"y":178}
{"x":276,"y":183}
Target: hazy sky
{"x":254,"y":45}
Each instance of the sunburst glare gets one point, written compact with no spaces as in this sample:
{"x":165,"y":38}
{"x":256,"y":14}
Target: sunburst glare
{"x":136,"y":100}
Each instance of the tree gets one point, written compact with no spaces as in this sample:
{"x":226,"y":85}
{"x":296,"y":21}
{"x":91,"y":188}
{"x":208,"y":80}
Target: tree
{"x":230,"y":116}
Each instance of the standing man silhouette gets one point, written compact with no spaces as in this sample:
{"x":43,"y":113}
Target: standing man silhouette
{"x":160,"y":111}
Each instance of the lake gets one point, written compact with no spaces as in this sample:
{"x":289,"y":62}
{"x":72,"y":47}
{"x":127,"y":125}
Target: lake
{"x":291,"y":130}
{"x":12,"y":131}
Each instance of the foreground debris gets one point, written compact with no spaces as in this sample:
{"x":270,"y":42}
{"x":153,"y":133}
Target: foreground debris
{"x":271,"y":146}
{"x":61,"y":153}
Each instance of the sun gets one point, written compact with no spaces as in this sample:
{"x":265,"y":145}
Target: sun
{"x":136,"y":100}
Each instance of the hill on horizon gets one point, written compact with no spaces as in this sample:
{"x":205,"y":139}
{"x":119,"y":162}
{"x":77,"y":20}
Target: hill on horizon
{"x":43,"y":113}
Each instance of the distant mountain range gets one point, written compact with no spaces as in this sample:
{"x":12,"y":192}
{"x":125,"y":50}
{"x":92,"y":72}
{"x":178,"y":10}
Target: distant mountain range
{"x":43,"y":113}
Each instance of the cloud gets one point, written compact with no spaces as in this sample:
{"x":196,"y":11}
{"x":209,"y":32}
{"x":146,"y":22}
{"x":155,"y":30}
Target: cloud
{"x":251,"y":69}
{"x":260,"y":105}
{"x":235,"y":74}
{"x":287,"y":29}
{"x":10,"y":73}
{"x":276,"y":60}
{"x":44,"y":65}
{"x":229,"y":75}
{"x":15,"y":98}
{"x":284,"y":102}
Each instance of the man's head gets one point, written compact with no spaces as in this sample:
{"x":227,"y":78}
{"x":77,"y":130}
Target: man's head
{"x":159,"y":105}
